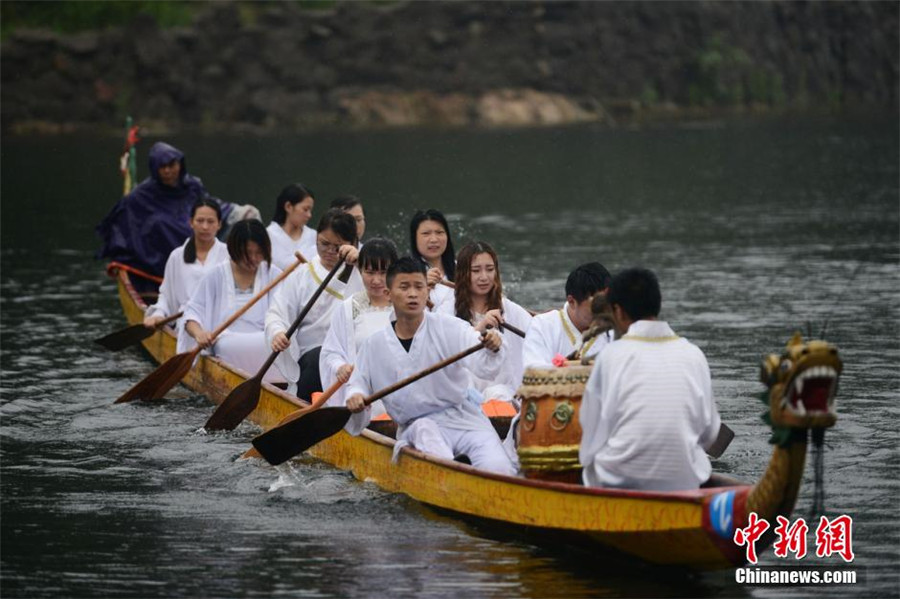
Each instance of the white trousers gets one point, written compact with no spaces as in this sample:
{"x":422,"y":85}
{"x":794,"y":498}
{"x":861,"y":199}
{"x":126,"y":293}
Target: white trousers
{"x":247,"y":351}
{"x":482,"y":447}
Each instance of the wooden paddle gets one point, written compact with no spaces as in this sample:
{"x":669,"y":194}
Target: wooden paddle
{"x":283,"y":442}
{"x":136,"y":333}
{"x":313,"y":406}
{"x":243,"y":399}
{"x":170,"y":372}
{"x":512,"y":329}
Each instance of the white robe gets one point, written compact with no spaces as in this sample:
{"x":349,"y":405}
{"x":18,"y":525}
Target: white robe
{"x":283,"y":247}
{"x":507,"y":381}
{"x":439,"y":398}
{"x":181,"y":279}
{"x":647,"y":413}
{"x":352,"y":322}
{"x":290,"y":300}
{"x":441,"y":296}
{"x":554,"y":333}
{"x":243,"y":343}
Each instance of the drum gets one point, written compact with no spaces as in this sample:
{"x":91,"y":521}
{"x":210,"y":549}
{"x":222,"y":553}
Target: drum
{"x":549,"y":432}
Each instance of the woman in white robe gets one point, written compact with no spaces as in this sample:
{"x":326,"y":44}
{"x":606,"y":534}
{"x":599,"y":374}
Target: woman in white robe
{"x":357,"y":318}
{"x":479,"y":300}
{"x":336,"y":235}
{"x":429,"y":241}
{"x":189,"y":263}
{"x":223,"y":291}
{"x":288,"y":230}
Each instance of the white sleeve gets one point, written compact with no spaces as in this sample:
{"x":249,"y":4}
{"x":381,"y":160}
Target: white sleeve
{"x":592,"y":400}
{"x":336,"y":350}
{"x":535,"y":351}
{"x":360,"y":382}
{"x":484,"y":363}
{"x":517,"y":316}
{"x":711,"y":419}
{"x":281,"y":306}
{"x":165,"y":304}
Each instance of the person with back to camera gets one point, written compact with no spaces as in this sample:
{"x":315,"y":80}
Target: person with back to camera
{"x":647,"y":413}
{"x":288,"y":230}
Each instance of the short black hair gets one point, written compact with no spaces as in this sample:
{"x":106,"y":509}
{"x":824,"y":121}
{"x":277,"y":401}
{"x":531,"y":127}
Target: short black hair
{"x":341,"y":223}
{"x":245,"y":231}
{"x":346,"y":202}
{"x":405,"y":265}
{"x":636,"y":290}
{"x":586,"y":280}
{"x":377,"y":254}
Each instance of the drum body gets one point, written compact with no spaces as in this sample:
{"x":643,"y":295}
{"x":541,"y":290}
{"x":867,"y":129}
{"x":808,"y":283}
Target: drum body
{"x":549,"y":430}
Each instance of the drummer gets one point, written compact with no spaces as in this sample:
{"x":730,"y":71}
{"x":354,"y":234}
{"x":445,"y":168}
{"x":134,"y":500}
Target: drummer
{"x":555,"y":335}
{"x":647,"y":413}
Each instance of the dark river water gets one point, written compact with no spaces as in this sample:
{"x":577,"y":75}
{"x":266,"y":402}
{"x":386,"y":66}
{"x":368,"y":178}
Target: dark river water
{"x":756,"y":228}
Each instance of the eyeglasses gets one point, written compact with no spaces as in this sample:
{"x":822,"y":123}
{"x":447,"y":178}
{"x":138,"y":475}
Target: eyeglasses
{"x":327,"y":246}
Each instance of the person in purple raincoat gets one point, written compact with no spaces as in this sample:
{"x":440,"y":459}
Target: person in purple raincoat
{"x":145,"y":226}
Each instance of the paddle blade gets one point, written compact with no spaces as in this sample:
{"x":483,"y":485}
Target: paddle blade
{"x":240,"y":402}
{"x":723,"y":440}
{"x":158,"y":382}
{"x":284,"y":442}
{"x":123,"y":338}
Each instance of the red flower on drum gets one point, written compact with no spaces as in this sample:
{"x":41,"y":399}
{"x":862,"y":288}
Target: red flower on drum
{"x":559,"y":360}
{"x":749,"y":535}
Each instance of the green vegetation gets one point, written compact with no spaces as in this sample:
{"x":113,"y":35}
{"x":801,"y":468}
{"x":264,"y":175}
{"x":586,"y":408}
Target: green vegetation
{"x":725,"y":75}
{"x":67,"y":16}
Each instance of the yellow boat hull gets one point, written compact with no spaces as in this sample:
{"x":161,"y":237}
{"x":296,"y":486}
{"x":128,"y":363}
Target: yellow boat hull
{"x":664,"y":528}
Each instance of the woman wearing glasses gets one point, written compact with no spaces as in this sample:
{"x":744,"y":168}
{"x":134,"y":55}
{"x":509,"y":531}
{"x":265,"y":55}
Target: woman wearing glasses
{"x":335,"y":240}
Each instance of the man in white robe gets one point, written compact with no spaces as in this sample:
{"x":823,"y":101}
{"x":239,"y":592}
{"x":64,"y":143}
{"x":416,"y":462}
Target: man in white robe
{"x":432,"y":414}
{"x":647,"y":413}
{"x":559,"y":333}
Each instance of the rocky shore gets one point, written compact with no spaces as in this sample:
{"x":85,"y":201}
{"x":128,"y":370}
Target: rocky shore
{"x":275,"y":66}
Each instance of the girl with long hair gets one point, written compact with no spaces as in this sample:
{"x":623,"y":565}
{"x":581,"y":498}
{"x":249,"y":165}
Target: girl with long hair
{"x":479,"y":300}
{"x":429,"y":241}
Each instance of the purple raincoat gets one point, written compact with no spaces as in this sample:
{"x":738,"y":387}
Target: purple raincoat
{"x":148,"y":223}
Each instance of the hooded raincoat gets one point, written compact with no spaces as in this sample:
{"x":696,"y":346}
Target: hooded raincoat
{"x":145,"y":226}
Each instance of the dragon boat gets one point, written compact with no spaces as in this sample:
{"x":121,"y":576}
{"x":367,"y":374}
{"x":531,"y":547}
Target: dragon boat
{"x":690,"y":529}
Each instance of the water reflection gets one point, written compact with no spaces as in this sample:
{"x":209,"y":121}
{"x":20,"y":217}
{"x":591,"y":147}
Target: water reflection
{"x":755,"y":230}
